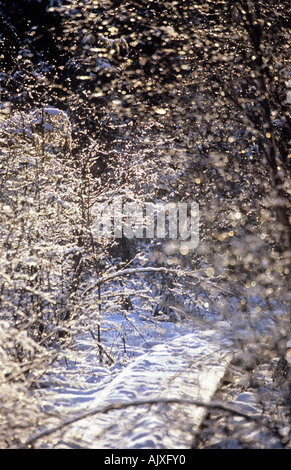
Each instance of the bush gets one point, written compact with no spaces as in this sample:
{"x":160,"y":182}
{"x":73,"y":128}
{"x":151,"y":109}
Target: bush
{"x":154,"y":102}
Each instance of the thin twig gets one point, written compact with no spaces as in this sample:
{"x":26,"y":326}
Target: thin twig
{"x":101,"y":347}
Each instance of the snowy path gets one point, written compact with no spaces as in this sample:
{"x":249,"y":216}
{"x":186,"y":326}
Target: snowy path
{"x":182,"y":362}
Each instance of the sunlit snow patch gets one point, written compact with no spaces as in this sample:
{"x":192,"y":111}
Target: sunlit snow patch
{"x":184,"y":363}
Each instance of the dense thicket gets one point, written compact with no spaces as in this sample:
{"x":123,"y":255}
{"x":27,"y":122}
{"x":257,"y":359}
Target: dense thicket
{"x":170,"y":102}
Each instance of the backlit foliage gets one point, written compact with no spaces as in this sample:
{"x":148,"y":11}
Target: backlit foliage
{"x":156,"y":101}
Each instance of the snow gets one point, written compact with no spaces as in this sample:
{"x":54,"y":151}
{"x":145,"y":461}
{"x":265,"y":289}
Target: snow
{"x":162,"y":361}
{"x":37,"y":122}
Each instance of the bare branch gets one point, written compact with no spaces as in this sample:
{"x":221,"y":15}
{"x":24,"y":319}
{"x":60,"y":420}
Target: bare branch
{"x":122,"y":273}
{"x":155,"y":401}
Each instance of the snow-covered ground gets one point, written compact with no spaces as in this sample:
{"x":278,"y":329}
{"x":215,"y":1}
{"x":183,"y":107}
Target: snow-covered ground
{"x":163,"y":360}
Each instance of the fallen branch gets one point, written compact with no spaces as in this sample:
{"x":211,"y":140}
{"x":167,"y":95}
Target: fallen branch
{"x":154,"y":401}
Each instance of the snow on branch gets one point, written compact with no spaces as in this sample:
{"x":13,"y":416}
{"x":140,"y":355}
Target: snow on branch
{"x":154,"y":401}
{"x":124,"y":272}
